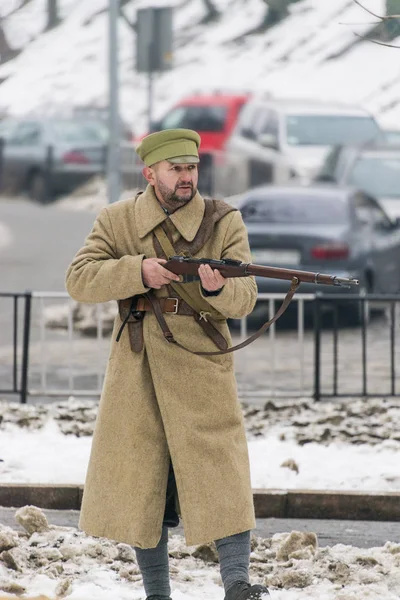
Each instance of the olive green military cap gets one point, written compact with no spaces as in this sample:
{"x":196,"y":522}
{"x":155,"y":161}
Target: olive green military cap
{"x":174,"y":145}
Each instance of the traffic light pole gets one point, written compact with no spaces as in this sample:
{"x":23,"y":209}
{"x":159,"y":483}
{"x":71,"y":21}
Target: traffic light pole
{"x":114,"y":142}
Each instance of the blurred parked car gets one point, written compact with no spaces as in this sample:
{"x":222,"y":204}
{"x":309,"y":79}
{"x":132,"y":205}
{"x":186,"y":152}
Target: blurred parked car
{"x":336,"y":230}
{"x":392,"y":136}
{"x":374,"y":168}
{"x":213,"y":116}
{"x":100,"y":117}
{"x":49,"y":156}
{"x":276,"y":140}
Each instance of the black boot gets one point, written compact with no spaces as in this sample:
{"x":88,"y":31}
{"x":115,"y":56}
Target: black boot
{"x":241,"y":590}
{"x":158,"y":598}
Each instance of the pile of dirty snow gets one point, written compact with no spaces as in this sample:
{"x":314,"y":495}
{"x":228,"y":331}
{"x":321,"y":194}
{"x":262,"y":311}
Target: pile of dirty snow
{"x":38,"y":558}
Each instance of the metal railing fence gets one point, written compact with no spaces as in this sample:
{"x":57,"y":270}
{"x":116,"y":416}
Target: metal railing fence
{"x":19,"y":344}
{"x":46,"y":354}
{"x":386,"y":354}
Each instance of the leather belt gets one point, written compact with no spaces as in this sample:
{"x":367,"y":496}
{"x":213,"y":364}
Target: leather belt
{"x":131,"y":313}
{"x":173,"y":306}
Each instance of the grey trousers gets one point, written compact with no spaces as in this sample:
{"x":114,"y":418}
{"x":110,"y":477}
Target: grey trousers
{"x":234,"y":559}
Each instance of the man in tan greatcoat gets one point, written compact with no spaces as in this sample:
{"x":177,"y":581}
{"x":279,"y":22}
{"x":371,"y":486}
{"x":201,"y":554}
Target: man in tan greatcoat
{"x":169,"y":440}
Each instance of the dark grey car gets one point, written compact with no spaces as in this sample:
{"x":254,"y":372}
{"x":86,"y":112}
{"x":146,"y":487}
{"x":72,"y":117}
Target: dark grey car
{"x":325,"y":229}
{"x":50,"y":156}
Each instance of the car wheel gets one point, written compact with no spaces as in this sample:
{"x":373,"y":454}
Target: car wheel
{"x":37,"y":188}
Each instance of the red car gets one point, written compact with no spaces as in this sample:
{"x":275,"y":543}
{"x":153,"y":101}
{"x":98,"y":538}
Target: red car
{"x":213,"y":116}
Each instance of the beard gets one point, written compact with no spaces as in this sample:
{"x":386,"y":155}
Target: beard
{"x":177,"y":197}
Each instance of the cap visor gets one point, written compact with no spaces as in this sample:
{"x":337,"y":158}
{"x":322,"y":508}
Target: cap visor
{"x":184,"y":159}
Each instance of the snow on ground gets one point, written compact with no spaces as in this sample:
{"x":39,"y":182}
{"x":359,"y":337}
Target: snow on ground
{"x":360,"y":443}
{"x":26,"y":458}
{"x":359,"y":440}
{"x":295,"y":58}
{"x":61,"y":561}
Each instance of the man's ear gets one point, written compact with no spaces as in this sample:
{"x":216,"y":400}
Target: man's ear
{"x":148,"y":174}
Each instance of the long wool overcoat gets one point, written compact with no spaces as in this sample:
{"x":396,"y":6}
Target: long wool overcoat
{"x":163,"y":403}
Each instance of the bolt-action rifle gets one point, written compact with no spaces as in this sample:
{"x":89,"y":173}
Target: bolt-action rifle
{"x":188,"y":267}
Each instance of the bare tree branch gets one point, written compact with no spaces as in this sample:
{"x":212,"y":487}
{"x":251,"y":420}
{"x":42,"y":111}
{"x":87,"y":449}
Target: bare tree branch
{"x":212,"y":13}
{"x":385,"y":18}
{"x":127,"y":21}
{"x":363,"y":23}
{"x":368,"y":11}
{"x":382,"y":20}
{"x":375,"y":41}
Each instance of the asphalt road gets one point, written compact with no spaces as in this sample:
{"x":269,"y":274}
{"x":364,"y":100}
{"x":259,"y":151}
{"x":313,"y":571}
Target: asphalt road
{"x":362,"y":534}
{"x":37,"y":243}
{"x":41,"y":242}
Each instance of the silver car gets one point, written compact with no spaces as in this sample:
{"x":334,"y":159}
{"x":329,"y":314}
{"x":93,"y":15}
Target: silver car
{"x":326,"y":229}
{"x":374,"y":168}
{"x":46,"y":157}
{"x":278,"y":140}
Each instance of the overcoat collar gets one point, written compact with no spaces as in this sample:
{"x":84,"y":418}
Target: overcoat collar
{"x":149,"y":214}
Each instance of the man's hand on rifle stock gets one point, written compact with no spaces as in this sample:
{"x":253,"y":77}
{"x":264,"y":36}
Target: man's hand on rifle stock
{"x":154,"y":275}
{"x":211,"y":279}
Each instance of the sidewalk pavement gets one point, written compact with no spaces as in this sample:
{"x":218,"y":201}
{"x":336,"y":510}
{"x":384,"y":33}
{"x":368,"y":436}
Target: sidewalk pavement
{"x":279,"y":504}
{"x":360,"y":534}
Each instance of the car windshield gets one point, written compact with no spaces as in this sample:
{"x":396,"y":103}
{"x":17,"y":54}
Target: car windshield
{"x":377,"y":175}
{"x":329,"y":130}
{"x":297,"y":210}
{"x":197,"y":117}
{"x":6,"y":128}
{"x":392,"y":137}
{"x":77,"y":132}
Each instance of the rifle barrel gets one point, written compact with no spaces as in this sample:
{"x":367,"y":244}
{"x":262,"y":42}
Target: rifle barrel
{"x":305,"y":276}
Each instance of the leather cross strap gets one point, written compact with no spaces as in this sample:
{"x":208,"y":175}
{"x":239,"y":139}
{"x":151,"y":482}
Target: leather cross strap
{"x":182,"y":292}
{"x":169,"y":250}
{"x":170,"y":338}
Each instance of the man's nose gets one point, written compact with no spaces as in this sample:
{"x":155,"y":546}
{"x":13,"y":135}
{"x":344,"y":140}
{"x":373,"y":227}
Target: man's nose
{"x":186,"y":176}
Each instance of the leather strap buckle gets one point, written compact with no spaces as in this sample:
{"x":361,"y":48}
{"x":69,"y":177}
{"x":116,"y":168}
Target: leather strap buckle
{"x":169,"y":337}
{"x":174,"y":311}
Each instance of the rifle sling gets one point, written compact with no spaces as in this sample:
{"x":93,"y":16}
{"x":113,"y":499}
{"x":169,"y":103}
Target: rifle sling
{"x":170,"y":338}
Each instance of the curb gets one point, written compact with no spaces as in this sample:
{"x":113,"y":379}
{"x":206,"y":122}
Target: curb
{"x":280,"y":504}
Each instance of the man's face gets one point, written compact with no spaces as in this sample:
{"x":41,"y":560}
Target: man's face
{"x":174,"y":184}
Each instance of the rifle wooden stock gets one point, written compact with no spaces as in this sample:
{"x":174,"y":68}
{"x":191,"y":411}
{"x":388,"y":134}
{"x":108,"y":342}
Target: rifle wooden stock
{"x":188,"y":268}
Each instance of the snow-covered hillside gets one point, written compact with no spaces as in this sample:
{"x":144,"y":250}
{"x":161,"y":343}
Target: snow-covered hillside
{"x":68,"y":65}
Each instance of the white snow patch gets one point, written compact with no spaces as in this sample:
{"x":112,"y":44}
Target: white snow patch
{"x":339,"y":466}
